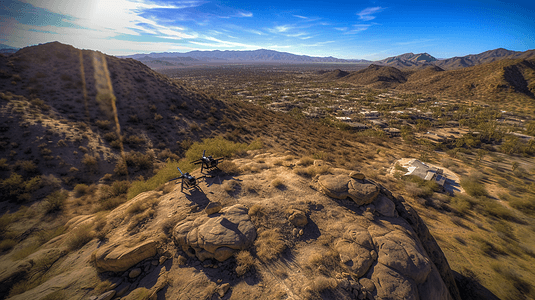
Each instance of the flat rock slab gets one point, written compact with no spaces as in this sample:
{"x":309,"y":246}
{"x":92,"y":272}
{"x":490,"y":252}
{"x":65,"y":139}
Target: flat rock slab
{"x":216,"y":236}
{"x":118,"y":258}
{"x":343,"y":186}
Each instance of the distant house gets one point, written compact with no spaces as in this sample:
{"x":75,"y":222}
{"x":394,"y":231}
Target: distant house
{"x":425,"y":172}
{"x":392,"y":131}
{"x":357,"y":126}
{"x":378,"y":123}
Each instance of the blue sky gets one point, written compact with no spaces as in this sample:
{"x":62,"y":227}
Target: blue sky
{"x":344,"y":29}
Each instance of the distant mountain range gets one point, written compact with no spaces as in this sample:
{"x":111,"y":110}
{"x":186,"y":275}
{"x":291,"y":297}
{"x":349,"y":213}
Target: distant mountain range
{"x":404,"y":61}
{"x":501,"y":79}
{"x":424,"y":60}
{"x":5,"y":49}
{"x":261,"y":55}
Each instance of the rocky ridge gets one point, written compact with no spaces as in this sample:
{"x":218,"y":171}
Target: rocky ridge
{"x":338,"y":235}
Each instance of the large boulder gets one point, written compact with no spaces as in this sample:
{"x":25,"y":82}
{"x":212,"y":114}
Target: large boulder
{"x":217,"y":236}
{"x":118,"y":258}
{"x":343,"y":186}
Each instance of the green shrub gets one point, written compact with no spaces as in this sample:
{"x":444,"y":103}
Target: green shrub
{"x":461,"y":203}
{"x":216,"y":147}
{"x":473,"y":188}
{"x":525,"y":205}
{"x":55,"y":201}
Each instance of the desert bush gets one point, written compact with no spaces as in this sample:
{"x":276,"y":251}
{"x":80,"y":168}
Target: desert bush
{"x":55,"y":201}
{"x":525,"y":205}
{"x":110,"y":136}
{"x":139,"y":160}
{"x":3,"y":164}
{"x":167,"y":154}
{"x":269,"y":244}
{"x":306,"y":161}
{"x":134,"y":140}
{"x":473,"y":188}
{"x":103,"y":124}
{"x":120,"y":168}
{"x":230,"y":186}
{"x":496,"y":209}
{"x":311,"y":171}
{"x":277,"y":183}
{"x":80,"y":189}
{"x":78,"y":237}
{"x":90,"y":162}
{"x":461,"y":203}
{"x":229,"y":167}
{"x":321,"y":283}
{"x":244,"y":261}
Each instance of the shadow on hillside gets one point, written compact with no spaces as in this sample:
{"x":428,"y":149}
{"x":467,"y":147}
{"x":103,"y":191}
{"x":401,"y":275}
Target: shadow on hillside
{"x":470,"y":288}
{"x":197,"y":196}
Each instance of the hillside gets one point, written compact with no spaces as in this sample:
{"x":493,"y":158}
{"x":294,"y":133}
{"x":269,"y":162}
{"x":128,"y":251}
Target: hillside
{"x":376,"y":76}
{"x":57,"y":111}
{"x":423,"y":60}
{"x":269,"y":231}
{"x":503,"y":79}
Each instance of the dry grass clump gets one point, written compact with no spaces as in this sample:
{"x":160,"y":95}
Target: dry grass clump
{"x":269,"y":244}
{"x":114,"y":195}
{"x":244,"y":261}
{"x":305,"y":161}
{"x":317,"y":285}
{"x":278,"y":183}
{"x":229,"y":167}
{"x":80,"y":190}
{"x":323,"y":256}
{"x":311,"y":171}
{"x":230,"y":186}
{"x":141,"y":211}
{"x":79,"y":237}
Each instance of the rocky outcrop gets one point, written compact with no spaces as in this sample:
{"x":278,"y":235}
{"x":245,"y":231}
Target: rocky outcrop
{"x":216,"y":236}
{"x":118,"y":258}
{"x":343,"y":186}
{"x":429,"y":244}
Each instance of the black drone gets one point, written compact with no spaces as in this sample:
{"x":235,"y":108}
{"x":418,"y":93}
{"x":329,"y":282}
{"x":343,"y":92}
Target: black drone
{"x":187,"y":180}
{"x":207,"y":162}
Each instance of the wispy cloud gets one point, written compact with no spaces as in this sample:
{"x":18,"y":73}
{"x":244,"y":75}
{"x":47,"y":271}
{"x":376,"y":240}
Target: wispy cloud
{"x":246,"y":14}
{"x":301,"y":17}
{"x":367,"y":13}
{"x":318,"y":44}
{"x":223,"y":44}
{"x":358,"y":28}
{"x":280,"y":28}
{"x":341,"y":28}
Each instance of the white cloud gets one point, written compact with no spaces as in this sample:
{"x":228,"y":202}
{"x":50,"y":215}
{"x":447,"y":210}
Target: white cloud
{"x":341,"y":28}
{"x":366,"y":14}
{"x":279,"y":29}
{"x":358,"y":28}
{"x":246,"y":14}
{"x":300,"y":17}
